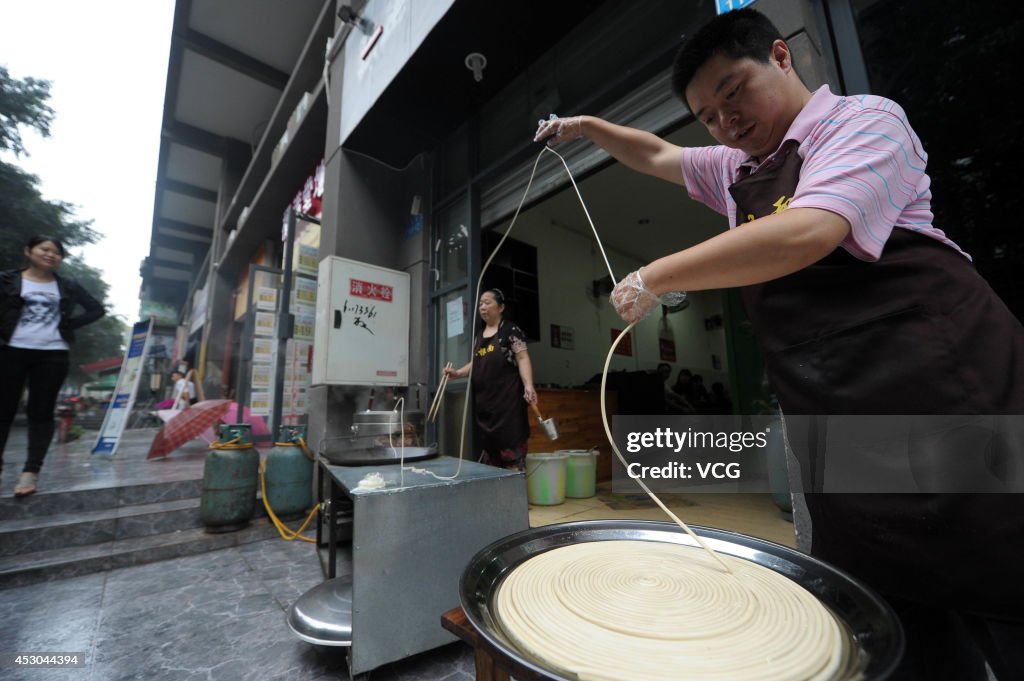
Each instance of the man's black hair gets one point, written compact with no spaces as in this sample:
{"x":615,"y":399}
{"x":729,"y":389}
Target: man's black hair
{"x":739,"y":34}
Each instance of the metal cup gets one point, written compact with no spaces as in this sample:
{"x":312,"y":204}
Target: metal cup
{"x":550,"y":427}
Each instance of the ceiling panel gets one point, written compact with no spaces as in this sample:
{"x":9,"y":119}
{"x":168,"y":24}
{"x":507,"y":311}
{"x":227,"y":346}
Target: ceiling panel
{"x":171,"y":255}
{"x":194,"y":167}
{"x":272,"y":31}
{"x":171,"y":273}
{"x":222,"y":101}
{"x":635,"y":214}
{"x":187,"y":209}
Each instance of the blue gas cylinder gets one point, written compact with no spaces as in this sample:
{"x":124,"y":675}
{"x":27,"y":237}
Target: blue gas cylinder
{"x":230,"y":478}
{"x":288,"y":474}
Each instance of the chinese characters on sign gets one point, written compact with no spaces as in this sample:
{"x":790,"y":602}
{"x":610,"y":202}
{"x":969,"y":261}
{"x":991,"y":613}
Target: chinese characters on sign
{"x":365,"y":313}
{"x":367,"y":289}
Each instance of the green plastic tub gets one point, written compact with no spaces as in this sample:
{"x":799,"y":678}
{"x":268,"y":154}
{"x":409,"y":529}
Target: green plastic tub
{"x":580,"y":472}
{"x":545,"y":478}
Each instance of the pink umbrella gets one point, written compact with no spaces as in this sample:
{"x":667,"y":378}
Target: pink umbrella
{"x":259,"y":426}
{"x":185,"y":425}
{"x":200,"y":421}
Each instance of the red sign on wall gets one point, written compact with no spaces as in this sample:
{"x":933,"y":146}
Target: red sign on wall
{"x":667,"y":346}
{"x":625,"y":346}
{"x":367,"y":289}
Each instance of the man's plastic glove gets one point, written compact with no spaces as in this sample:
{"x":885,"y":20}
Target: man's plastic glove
{"x":633,"y":301}
{"x":557,"y":130}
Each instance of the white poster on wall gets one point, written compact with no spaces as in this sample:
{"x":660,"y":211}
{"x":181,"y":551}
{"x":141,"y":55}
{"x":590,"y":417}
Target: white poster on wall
{"x":259,"y":404}
{"x":266,"y":298}
{"x":308,"y":259}
{"x":261,"y":376}
{"x":263,"y":324}
{"x":305,"y":325}
{"x":305,"y":292}
{"x":263,"y":350}
{"x":455,"y":322}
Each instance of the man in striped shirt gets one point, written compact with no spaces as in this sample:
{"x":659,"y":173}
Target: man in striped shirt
{"x":862,"y":306}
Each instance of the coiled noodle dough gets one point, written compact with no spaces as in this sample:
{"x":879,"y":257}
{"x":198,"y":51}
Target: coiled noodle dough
{"x":645,"y":611}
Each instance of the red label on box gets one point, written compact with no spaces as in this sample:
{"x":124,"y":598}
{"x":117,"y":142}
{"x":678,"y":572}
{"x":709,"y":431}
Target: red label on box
{"x":367,"y":289}
{"x":668,"y":349}
{"x":625,"y":346}
{"x":381,"y":372}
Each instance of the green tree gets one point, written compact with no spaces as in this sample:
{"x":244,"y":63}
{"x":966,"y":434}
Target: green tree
{"x":23,"y":103}
{"x":24,"y":212}
{"x":103,"y":338}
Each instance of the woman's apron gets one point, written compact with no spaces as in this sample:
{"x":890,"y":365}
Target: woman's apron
{"x":917,"y":332}
{"x":501,"y":419}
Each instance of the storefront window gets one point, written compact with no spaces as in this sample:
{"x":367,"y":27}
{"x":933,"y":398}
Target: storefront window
{"x":456,"y":315}
{"x":451,"y":247}
{"x":952,"y":66}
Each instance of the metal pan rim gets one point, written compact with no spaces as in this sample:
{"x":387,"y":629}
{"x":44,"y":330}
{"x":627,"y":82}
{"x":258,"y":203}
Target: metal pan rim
{"x":870,"y":620}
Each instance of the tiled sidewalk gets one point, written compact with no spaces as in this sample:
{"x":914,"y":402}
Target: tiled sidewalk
{"x":214,"y":616}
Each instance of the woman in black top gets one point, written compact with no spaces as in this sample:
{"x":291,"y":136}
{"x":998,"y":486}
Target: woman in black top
{"x":502,"y":385}
{"x":36,"y":329}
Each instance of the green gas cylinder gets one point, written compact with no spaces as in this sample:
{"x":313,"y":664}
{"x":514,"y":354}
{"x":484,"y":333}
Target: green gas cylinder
{"x":230,"y":478}
{"x":288,"y":474}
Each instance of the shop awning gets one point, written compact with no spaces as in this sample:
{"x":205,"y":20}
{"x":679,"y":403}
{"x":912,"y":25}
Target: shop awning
{"x":106,"y":383}
{"x":102,"y":365}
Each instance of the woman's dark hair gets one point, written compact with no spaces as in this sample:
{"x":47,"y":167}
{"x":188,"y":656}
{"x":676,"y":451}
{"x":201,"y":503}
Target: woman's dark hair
{"x":499,"y":297}
{"x":739,"y":34}
{"x":41,"y":238}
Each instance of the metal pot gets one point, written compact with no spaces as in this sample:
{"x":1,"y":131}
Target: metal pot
{"x":367,"y":451}
{"x":384,"y":423}
{"x":874,"y":638}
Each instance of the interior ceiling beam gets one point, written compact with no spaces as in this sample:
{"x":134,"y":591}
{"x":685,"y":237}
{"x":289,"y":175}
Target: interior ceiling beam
{"x":186,"y":189}
{"x":233,"y":59}
{"x":202,"y":140}
{"x":188,"y":228}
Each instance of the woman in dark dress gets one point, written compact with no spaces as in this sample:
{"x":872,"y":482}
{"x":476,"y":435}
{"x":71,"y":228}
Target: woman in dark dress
{"x":502,"y":385}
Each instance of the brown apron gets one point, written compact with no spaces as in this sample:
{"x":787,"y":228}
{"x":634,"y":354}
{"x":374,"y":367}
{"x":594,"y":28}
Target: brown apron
{"x":917,"y":332}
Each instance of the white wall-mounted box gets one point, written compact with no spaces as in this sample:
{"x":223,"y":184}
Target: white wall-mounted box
{"x":362,"y":324}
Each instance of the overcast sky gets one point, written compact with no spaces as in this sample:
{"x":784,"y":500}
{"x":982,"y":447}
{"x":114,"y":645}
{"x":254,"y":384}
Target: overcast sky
{"x":107,"y":62}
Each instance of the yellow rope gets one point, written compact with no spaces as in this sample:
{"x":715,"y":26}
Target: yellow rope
{"x":231,"y":444}
{"x":300,"y":443}
{"x":286,"y":533}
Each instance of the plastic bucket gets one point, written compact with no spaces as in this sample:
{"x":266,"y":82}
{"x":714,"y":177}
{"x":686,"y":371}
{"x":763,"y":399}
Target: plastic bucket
{"x":580,"y":472}
{"x":545,"y":478}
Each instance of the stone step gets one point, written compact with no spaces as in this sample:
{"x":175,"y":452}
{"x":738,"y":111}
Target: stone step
{"x":52,"y":564}
{"x":92,"y":527}
{"x":44,"y":532}
{"x":61,"y":502}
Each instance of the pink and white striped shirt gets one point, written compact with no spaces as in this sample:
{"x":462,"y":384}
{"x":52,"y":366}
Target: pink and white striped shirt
{"x":861,"y":159}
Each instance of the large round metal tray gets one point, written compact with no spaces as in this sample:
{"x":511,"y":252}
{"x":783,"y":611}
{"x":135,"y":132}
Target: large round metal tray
{"x":323,"y":615}
{"x":874,"y":631}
